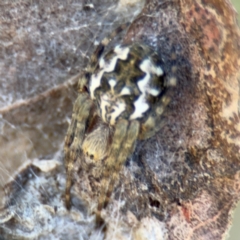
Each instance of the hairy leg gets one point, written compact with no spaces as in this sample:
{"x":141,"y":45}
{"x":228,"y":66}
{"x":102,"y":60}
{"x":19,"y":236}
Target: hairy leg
{"x":125,"y":136}
{"x":74,"y":138}
{"x":155,"y":120}
{"x":100,"y":48}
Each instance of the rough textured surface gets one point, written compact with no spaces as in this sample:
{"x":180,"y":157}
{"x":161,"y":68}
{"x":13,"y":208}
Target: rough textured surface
{"x":43,"y":48}
{"x":182,"y":183}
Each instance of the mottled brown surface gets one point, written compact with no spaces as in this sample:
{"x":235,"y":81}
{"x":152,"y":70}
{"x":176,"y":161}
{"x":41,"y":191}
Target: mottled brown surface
{"x":43,"y":47}
{"x":182,"y":183}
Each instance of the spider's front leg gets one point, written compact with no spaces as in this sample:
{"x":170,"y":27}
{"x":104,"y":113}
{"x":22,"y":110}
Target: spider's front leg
{"x":123,"y":144}
{"x":74,"y":138}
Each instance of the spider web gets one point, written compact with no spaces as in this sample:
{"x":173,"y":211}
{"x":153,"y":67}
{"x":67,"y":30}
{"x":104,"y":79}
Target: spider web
{"x":44,"y":47}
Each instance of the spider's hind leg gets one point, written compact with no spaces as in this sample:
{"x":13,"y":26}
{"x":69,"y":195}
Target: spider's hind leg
{"x":74,"y":138}
{"x":97,"y":54}
{"x":123,"y":144}
{"x":156,"y":120}
{"x":100,"y":48}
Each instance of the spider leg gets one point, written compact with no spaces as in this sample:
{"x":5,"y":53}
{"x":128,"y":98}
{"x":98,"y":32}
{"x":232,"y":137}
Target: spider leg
{"x":122,"y":147}
{"x":155,"y":120}
{"x":100,"y":48}
{"x":74,"y":138}
{"x":97,"y":54}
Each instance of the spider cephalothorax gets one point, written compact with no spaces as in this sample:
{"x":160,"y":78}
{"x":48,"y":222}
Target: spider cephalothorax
{"x":126,"y":89}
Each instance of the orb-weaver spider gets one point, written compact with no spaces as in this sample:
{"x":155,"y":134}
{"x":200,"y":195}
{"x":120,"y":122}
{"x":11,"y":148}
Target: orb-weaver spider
{"x":126,"y":88}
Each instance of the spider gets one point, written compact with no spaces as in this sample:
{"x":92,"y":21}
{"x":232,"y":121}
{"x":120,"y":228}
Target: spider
{"x":126,"y":88}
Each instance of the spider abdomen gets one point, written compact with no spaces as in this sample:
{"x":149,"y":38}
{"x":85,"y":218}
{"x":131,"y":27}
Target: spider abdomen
{"x":127,"y":82}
